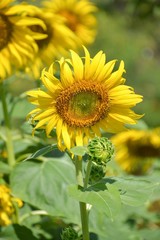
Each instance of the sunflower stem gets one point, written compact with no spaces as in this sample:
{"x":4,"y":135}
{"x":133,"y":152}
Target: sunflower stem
{"x":82,"y":205}
{"x":89,"y":166}
{"x":9,"y":142}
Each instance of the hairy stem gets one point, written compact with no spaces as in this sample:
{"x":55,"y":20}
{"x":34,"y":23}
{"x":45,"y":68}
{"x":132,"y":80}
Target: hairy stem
{"x":89,"y":166}
{"x":83,"y":208}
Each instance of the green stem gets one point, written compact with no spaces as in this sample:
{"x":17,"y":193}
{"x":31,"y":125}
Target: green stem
{"x":79,"y":175}
{"x":89,"y":166}
{"x":83,"y":208}
{"x":9,"y":142}
{"x":84,"y":220}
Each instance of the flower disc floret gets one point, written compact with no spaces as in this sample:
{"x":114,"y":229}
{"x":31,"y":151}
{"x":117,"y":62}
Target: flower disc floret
{"x":83,"y":104}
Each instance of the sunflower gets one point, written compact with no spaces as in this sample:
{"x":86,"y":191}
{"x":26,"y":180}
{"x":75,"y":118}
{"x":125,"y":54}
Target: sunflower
{"x":136,"y":150}
{"x":79,"y":17}
{"x":59,"y":39}
{"x":7,"y":205}
{"x":17,"y":41}
{"x":87,"y":97}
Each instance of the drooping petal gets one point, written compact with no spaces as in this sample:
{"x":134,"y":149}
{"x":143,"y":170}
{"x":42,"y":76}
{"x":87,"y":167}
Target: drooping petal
{"x":65,"y":136}
{"x":79,"y":138}
{"x":51,"y":124}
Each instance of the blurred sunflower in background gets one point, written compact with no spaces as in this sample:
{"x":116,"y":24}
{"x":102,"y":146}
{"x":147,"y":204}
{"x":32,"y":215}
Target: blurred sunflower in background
{"x":87,"y":97}
{"x":135,"y":150}
{"x":17,"y":41}
{"x":7,"y":207}
{"x":59,"y":39}
{"x":78,"y":16}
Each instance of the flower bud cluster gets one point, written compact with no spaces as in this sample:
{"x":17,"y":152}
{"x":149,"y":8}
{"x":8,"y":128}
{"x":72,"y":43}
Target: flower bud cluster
{"x":100,"y":152}
{"x":69,"y":234}
{"x":97,"y":173}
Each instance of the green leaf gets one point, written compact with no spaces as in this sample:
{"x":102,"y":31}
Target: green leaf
{"x":148,"y":234}
{"x":23,"y":233}
{"x":134,"y":191}
{"x":42,"y":151}
{"x":141,"y":125}
{"x":4,"y":168}
{"x":8,"y":233}
{"x":106,"y":229}
{"x":107,"y":200}
{"x":21,"y":145}
{"x":79,"y":150}
{"x":21,"y":108}
{"x":44,"y":184}
{"x":16,"y":232}
{"x":32,"y":218}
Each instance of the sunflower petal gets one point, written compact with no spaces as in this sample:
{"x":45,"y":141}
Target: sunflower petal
{"x":77,"y":66}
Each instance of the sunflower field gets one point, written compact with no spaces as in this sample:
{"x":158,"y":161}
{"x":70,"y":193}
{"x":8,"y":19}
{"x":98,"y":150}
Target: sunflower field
{"x":79,"y":120}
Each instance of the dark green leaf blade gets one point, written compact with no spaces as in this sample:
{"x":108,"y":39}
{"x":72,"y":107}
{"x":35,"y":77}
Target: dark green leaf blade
{"x":107,"y":201}
{"x":44,"y":184}
{"x":42,"y":151}
{"x":16,"y":232}
{"x":134,"y":191}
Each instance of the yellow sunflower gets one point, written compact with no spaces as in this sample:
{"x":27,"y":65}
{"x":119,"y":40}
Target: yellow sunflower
{"x":87,"y":97}
{"x":59,"y":39}
{"x":135,"y":150}
{"x":17,"y":41}
{"x":7,"y":205}
{"x":79,"y":17}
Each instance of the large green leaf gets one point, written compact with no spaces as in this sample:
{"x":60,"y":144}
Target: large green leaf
{"x":107,"y":200}
{"x":106,"y":229}
{"x":44,"y":184}
{"x":134,"y":191}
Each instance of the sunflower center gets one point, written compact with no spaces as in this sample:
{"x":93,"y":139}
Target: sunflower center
{"x":71,"y":19}
{"x":42,"y":42}
{"x":83,"y":104}
{"x":5,"y":31}
{"x":144,"y":150}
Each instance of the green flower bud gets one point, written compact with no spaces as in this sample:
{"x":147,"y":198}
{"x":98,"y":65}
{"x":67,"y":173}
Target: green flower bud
{"x":69,"y":234}
{"x":100,"y":150}
{"x":97,"y":173}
